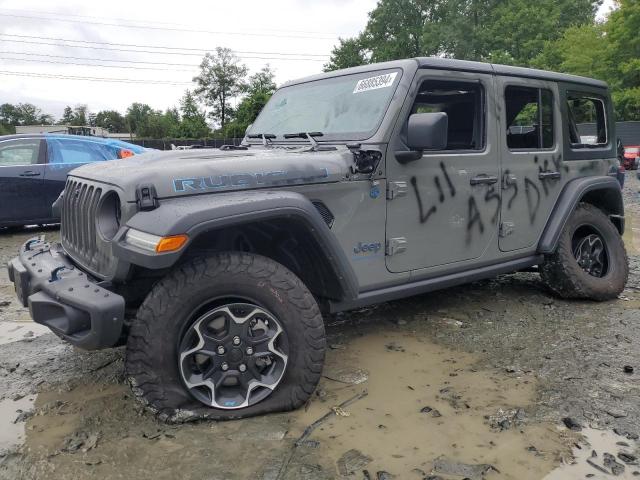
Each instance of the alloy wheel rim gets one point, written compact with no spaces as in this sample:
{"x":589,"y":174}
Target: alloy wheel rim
{"x":591,"y":254}
{"x":233,"y":356}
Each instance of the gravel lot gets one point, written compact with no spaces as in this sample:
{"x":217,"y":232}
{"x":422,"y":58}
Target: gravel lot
{"x":479,"y":381}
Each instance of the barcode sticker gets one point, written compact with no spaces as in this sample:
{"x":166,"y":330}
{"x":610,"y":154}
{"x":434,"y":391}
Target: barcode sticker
{"x":373,"y":83}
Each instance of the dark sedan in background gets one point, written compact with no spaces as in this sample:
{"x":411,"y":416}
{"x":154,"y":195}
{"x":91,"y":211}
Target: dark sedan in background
{"x":34,"y":168}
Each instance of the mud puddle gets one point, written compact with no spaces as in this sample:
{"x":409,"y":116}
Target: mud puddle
{"x":12,"y":424}
{"x":427,"y":409}
{"x":15,"y":322}
{"x":99,"y":431}
{"x":426,"y":405}
{"x":13,"y":331}
{"x":600,"y":454}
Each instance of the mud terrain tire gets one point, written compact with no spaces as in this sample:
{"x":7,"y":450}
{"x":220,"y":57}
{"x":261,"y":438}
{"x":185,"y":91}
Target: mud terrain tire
{"x":152,"y":358}
{"x":561,"y":271}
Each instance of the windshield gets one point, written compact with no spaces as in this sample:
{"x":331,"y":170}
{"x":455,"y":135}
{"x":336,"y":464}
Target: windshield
{"x":349,"y":107}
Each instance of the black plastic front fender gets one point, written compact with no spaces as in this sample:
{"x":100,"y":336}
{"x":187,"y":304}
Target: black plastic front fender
{"x":195,"y":215}
{"x":603,"y":192}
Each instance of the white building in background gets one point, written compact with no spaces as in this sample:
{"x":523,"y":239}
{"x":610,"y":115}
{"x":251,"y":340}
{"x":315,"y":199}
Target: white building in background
{"x":73,"y":130}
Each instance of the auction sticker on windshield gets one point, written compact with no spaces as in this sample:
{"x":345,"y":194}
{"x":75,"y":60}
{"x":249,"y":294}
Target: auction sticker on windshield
{"x":373,"y":83}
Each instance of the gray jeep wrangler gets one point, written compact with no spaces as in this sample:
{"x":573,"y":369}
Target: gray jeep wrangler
{"x":351,"y":188}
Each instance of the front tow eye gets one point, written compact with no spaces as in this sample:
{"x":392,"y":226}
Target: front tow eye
{"x":54,"y":273}
{"x":33,"y":241}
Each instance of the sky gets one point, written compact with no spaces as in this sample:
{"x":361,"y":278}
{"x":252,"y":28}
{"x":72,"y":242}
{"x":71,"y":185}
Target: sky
{"x":294,"y":37}
{"x":156,"y":46}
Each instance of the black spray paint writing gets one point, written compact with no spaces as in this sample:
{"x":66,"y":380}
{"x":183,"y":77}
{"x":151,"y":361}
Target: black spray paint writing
{"x":533,"y":195}
{"x":423,"y":212}
{"x":475,"y":222}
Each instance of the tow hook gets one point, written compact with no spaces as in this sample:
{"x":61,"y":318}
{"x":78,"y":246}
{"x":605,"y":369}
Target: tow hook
{"x":54,"y":273}
{"x":33,"y":241}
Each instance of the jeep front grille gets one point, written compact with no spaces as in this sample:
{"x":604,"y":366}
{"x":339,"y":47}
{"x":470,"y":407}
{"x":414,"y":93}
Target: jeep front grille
{"x":78,"y":225}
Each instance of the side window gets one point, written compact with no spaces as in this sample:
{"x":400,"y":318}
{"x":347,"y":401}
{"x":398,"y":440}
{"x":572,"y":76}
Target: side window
{"x":74,"y":151}
{"x":587,"y":126}
{"x":19,"y":152}
{"x":463,"y":102}
{"x":529,"y":118}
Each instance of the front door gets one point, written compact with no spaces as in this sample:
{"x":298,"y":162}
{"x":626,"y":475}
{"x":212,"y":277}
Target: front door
{"x":21,"y":179}
{"x":532,"y":167}
{"x":444,"y":206}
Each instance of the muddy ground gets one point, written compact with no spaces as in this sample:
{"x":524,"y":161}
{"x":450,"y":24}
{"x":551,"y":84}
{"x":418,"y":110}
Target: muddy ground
{"x":479,"y":381}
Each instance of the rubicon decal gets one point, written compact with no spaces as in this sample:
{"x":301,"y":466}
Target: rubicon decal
{"x":248,"y":180}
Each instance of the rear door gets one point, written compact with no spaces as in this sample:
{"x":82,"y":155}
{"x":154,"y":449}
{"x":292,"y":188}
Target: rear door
{"x":531,"y":155}
{"x":443,"y":207}
{"x":21,"y":180}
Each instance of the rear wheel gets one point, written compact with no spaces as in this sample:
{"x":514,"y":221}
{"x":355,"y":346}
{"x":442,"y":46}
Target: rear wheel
{"x":228,"y":336}
{"x":590,"y":261}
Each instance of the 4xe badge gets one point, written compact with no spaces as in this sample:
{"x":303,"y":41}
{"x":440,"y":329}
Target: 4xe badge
{"x":367,"y":248}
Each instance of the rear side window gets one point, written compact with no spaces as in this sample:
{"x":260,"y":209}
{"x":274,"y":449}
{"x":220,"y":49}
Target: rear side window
{"x":19,"y":152}
{"x":463,"y":102}
{"x":529,"y":118}
{"x":587,"y":124}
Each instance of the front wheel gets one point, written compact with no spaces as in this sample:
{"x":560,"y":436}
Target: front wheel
{"x":590,"y":261}
{"x":228,"y":336}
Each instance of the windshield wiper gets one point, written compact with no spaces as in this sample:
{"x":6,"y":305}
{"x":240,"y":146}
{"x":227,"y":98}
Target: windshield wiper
{"x":308,"y":135}
{"x":266,"y":137}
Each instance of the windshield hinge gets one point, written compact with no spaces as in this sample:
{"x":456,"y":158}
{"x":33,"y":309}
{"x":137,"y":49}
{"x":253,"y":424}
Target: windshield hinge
{"x":395,"y":246}
{"x":396,"y":189}
{"x":506,"y":229}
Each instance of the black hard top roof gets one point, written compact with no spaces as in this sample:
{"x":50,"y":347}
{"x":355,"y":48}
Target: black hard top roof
{"x":462,"y":66}
{"x":467,"y":66}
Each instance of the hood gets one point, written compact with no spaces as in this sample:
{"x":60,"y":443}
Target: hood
{"x":179,"y":173}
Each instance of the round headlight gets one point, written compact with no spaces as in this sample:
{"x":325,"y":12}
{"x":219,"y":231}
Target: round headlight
{"x":108,"y":215}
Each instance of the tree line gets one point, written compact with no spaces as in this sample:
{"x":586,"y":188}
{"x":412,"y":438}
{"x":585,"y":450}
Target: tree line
{"x":559,"y":35}
{"x":222,"y":82}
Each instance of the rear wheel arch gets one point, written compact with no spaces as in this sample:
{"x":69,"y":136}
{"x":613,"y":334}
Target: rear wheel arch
{"x":610,"y":202}
{"x":602,"y":192}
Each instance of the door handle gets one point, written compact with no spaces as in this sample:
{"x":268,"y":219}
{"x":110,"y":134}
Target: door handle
{"x":483,"y":179}
{"x":30,"y":173}
{"x":549,"y":175}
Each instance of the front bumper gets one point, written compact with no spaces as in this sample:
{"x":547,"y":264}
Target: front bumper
{"x":64,"y":298}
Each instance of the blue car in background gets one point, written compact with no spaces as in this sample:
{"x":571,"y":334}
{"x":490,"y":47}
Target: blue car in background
{"x":34,"y":168}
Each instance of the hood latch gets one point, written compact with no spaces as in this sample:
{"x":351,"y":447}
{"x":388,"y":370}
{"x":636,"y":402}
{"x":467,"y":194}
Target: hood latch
{"x":146,"y":197}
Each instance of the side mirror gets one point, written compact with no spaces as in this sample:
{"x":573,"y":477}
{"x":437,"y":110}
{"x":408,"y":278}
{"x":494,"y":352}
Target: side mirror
{"x":428,"y":131}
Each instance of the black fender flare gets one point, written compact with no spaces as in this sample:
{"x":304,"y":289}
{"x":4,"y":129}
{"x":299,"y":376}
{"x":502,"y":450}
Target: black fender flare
{"x":197,"y":214}
{"x":573,"y":192}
